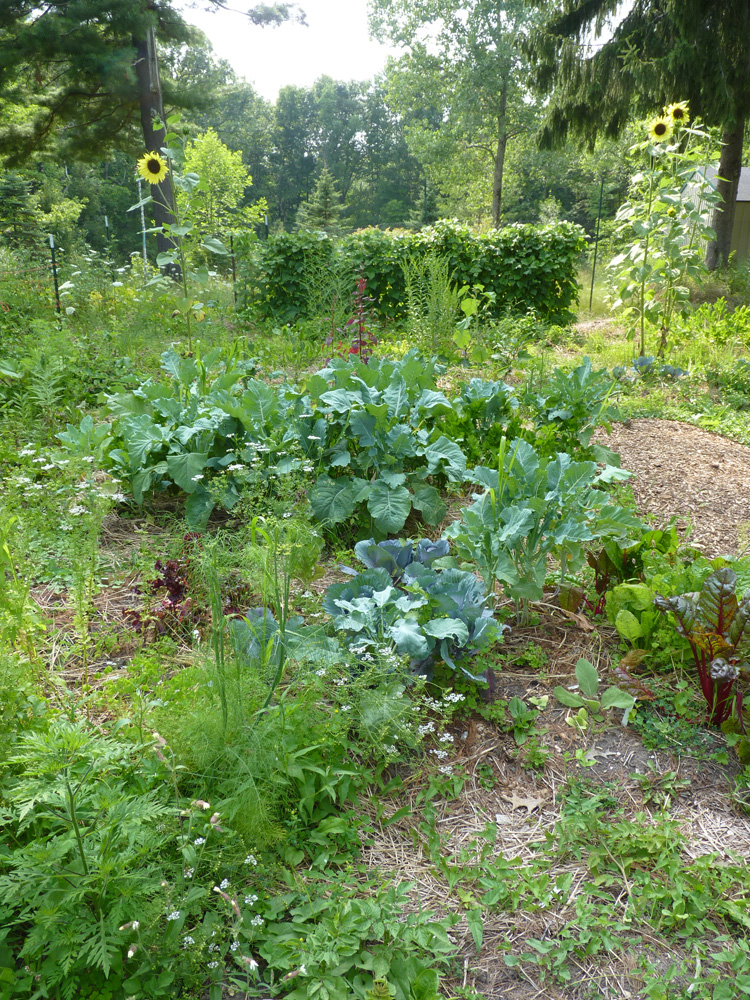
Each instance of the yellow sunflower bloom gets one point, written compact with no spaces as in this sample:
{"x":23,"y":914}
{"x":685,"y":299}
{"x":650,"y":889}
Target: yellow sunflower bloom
{"x":660,"y":129}
{"x":678,"y":113}
{"x":152,"y":167}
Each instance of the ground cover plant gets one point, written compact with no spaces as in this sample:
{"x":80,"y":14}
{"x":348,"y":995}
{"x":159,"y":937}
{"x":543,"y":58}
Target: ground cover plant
{"x":370,"y":676}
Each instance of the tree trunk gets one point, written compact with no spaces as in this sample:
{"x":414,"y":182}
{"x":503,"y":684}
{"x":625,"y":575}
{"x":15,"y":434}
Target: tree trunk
{"x":152,"y":111}
{"x":730,"y":165}
{"x":502,"y":142}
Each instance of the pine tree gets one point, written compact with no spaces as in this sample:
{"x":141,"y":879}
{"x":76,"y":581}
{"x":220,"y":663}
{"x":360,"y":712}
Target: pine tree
{"x":658,"y":52}
{"x":323,"y":209}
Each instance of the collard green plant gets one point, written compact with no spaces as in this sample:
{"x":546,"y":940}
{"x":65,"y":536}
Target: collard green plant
{"x":716,"y":624}
{"x":532,"y":508}
{"x":379,"y":437}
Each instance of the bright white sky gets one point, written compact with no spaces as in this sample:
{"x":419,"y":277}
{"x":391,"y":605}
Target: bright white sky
{"x":335,"y":43}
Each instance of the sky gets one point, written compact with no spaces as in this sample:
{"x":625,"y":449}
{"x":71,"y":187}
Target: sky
{"x":335,"y":43}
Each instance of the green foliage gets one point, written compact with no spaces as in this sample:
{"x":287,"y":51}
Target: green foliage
{"x":322,"y":211}
{"x":590,"y":702}
{"x":345,"y":941}
{"x":83,"y":830}
{"x":570,"y":406}
{"x":432,"y":303}
{"x":531,"y":508}
{"x":523,"y":267}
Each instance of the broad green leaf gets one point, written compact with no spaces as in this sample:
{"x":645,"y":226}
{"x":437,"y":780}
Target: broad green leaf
{"x":447,"y":628}
{"x":614,"y":697}
{"x":214,"y":245}
{"x":332,"y":500}
{"x":429,"y":503}
{"x":409,"y":639}
{"x":568,"y":698}
{"x":447,"y":453}
{"x":628,"y":626}
{"x":198,"y":509}
{"x":185,"y":467}
{"x":587,"y":677}
{"x":389,"y":507}
{"x":141,"y":436}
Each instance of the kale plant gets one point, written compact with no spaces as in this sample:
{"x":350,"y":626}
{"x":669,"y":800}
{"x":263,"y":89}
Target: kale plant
{"x":401,"y":600}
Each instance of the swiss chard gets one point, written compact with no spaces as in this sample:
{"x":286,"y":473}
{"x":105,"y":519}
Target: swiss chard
{"x":716,"y":624}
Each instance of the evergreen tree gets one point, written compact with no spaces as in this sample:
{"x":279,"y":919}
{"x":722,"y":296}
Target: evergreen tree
{"x":323,"y":209}
{"x":655,"y":52}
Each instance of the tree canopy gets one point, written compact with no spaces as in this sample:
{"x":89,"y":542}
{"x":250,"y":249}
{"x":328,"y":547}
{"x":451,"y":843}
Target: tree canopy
{"x":603,"y":60}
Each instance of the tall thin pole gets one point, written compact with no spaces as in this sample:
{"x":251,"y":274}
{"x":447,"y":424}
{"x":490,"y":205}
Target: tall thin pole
{"x":143,"y":229}
{"x":54,"y":274}
{"x":234,"y":270}
{"x":596,"y":242}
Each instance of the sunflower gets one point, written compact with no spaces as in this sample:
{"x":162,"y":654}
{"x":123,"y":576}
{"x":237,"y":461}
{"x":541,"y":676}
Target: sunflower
{"x":152,"y":167}
{"x":678,"y":113}
{"x":660,"y":129}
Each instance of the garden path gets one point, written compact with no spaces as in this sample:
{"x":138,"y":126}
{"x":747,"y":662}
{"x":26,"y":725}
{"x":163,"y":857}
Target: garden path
{"x":702,"y":477}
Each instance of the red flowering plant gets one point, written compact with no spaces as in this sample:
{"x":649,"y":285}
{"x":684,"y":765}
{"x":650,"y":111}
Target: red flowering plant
{"x":356,"y":330}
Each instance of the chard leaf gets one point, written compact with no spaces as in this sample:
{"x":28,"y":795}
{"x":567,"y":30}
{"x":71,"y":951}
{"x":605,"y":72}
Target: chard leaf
{"x":628,"y":626}
{"x":717,"y":603}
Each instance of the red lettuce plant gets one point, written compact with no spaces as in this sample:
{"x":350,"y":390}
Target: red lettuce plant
{"x":717,"y":626}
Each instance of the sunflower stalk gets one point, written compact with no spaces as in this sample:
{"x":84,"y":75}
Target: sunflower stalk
{"x":666,"y":221}
{"x":154,"y":167}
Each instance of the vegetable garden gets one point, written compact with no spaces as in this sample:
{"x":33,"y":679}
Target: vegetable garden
{"x":343,"y":654}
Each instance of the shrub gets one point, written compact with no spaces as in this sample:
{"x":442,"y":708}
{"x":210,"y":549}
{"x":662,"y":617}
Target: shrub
{"x":521,"y":267}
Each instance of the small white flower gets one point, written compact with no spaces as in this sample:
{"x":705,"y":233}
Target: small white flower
{"x":213,"y":948}
{"x":187,"y":941}
{"x":174,"y":915}
{"x":252,"y":898}
{"x":234,"y":945}
{"x":257,"y":920}
{"x":213,"y":965}
{"x":288,"y":514}
{"x":136,"y":924}
{"x":77,"y":509}
{"x":446,"y":738}
{"x":440,"y":754}
{"x":321,"y":672}
{"x":199,"y":841}
{"x":224,"y":884}
{"x":198,"y":477}
{"x":313,"y":437}
{"x":189,"y":872}
{"x":346,"y":708}
{"x":251,"y":860}
{"x":446,"y":769}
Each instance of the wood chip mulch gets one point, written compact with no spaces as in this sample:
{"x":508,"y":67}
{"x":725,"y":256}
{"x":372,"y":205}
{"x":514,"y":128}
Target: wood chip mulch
{"x":702,"y":477}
